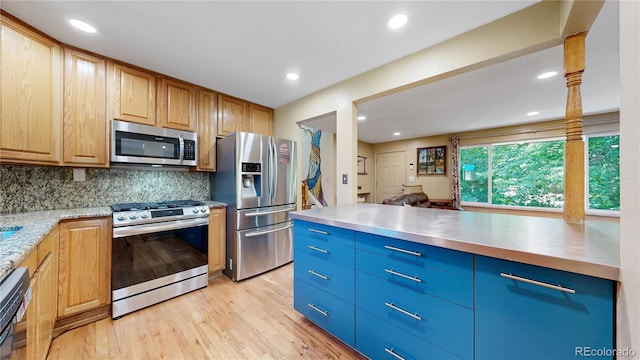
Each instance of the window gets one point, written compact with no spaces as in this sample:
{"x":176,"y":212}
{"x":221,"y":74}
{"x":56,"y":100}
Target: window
{"x":603,"y":176}
{"x":531,"y":174}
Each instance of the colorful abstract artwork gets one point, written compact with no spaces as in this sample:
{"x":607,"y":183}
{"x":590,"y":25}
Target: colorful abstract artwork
{"x":314,"y":175}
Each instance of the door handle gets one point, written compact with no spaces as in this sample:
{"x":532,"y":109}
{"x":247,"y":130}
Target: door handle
{"x":265,"y":232}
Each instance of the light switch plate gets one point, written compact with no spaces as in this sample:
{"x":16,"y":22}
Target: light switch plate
{"x":79,"y":174}
{"x":412,"y":178}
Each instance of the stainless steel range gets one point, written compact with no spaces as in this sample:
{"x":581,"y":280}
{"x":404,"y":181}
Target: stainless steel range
{"x":159,"y":252}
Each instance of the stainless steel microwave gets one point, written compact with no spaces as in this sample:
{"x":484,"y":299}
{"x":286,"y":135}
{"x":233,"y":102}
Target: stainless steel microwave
{"x":143,"y":144}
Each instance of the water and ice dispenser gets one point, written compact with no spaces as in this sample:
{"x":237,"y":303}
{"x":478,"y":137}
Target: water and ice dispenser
{"x":251,"y":181}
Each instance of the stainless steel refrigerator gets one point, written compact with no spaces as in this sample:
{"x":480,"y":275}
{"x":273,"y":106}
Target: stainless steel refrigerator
{"x":256,"y":177}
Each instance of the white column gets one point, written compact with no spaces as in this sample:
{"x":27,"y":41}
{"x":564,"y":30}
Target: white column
{"x":346,"y":153}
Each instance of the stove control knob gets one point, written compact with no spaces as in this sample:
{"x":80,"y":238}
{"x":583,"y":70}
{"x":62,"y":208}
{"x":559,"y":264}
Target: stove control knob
{"x":121,"y":217}
{"x":144,"y":215}
{"x":203,"y":209}
{"x":195,"y":210}
{"x":133,"y":216}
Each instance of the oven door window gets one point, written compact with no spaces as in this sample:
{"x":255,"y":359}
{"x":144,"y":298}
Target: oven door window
{"x":142,"y":145}
{"x":140,"y":258}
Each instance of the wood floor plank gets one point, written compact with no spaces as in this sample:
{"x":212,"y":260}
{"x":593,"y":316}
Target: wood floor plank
{"x":252,"y":319}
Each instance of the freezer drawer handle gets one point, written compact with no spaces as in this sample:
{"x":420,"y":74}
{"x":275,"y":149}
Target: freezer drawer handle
{"x":267,"y":212}
{"x":313,"y":272}
{"x":393,"y":353}
{"x":318,"y":231}
{"x":314,"y":307}
{"x":539,"y":283}
{"x":318,"y":249}
{"x":260,"y":233}
{"x":402,"y":250}
{"x":414,"y":315}
{"x":412,"y":278}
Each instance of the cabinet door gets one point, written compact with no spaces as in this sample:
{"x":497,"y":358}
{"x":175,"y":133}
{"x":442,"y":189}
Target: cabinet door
{"x":207,"y":130}
{"x":176,"y":105}
{"x":217,"y":239}
{"x":85,"y":122}
{"x":48,"y":289}
{"x":231,"y":114}
{"x":260,"y":120}
{"x":516,"y":318}
{"x":133,"y":94}
{"x":84,"y":265}
{"x":31,"y":101}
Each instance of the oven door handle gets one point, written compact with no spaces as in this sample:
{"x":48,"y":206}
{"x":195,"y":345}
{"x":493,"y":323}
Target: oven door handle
{"x":157,"y":227}
{"x":265,"y":232}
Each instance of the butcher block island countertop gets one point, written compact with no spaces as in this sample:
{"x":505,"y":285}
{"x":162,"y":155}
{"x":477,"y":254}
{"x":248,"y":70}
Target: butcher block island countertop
{"x":589,"y":249}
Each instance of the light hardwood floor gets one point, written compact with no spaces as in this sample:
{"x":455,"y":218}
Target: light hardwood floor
{"x":252,"y":319}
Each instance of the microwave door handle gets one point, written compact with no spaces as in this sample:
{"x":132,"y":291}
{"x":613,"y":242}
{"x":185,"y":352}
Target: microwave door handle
{"x":181,"y":148}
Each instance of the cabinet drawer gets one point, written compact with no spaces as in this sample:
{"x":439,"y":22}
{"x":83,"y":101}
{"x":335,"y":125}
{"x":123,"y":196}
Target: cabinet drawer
{"x":443,"y":323}
{"x":325,"y":248}
{"x":419,"y":278}
{"x":324,"y":233}
{"x":333,"y":278}
{"x":377,"y":338}
{"x":514,"y":316}
{"x":327,"y":311}
{"x":450,"y":261}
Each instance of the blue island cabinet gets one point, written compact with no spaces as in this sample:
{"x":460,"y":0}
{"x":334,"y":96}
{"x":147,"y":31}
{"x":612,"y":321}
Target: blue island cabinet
{"x":530,"y":312}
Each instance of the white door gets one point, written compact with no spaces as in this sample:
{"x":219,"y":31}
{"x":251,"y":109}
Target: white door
{"x":390,"y":174}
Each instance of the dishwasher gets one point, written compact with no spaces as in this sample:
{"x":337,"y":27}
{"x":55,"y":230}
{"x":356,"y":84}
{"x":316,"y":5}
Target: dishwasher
{"x":15,"y":294}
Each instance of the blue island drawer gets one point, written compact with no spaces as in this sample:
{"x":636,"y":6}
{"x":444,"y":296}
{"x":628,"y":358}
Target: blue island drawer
{"x":327,"y":311}
{"x":531,"y":312}
{"x":323,"y":249}
{"x":324,"y":233}
{"x":336,"y":279}
{"x":443,"y":323}
{"x":452,"y":287}
{"x":379,"y":340}
{"x":421,"y":255}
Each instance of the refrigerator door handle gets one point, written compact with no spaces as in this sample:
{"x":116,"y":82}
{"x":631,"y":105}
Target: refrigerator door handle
{"x":275,"y":170}
{"x":268,"y":212}
{"x":260,"y":233}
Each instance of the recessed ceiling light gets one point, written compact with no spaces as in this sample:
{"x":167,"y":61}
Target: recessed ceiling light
{"x":81,"y":25}
{"x":396,"y":133}
{"x":398,"y":21}
{"x":362,"y":117}
{"x":293,"y":76}
{"x":547,"y":75}
{"x":533,"y":113}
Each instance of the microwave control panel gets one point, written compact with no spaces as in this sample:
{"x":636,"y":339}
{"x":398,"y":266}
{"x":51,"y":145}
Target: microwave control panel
{"x":189,"y":150}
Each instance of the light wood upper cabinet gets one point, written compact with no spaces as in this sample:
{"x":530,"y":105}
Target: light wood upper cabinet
{"x":231,"y":114}
{"x":86,"y":127}
{"x":31,"y":116}
{"x":217,"y":239}
{"x":176,"y":105}
{"x":260,"y":120}
{"x":133,"y":94}
{"x":207,"y":130}
{"x":84,"y":265}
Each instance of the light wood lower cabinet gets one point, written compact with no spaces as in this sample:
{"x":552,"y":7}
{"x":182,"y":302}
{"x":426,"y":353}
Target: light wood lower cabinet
{"x":84,"y":265}
{"x":41,"y":313}
{"x":31,"y":101}
{"x":217,"y":239}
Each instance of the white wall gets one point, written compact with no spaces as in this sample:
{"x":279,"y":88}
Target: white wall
{"x":628,"y":322}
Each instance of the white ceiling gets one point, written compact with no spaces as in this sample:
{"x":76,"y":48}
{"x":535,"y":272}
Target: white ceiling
{"x":245,"y":48}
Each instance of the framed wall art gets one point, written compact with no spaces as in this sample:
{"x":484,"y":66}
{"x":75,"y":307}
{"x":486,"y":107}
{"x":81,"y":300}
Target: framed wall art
{"x":432,"y":160}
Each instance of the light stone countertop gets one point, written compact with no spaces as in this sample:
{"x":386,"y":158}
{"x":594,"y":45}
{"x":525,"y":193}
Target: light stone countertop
{"x":37,"y":224}
{"x":590,"y":249}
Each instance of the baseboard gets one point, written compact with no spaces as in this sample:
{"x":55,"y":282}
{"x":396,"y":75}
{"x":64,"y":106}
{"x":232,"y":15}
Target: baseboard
{"x":67,"y":323}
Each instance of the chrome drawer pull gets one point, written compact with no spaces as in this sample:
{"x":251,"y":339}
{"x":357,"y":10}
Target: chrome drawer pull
{"x":318,"y":249}
{"x":412,"y":278}
{"x":318,"y":310}
{"x":324,"y":277}
{"x":392,"y":353}
{"x":402,"y":250}
{"x":318,"y":231}
{"x":415,"y":315}
{"x":539,"y":283}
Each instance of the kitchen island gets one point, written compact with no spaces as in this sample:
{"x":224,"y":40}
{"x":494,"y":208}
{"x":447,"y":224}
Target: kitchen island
{"x":427,"y":283}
